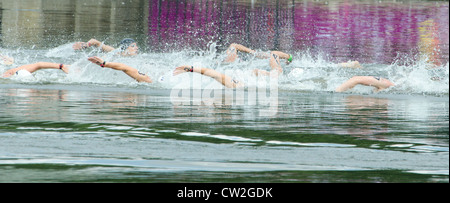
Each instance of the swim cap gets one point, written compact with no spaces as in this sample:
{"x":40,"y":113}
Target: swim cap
{"x":125,"y":43}
{"x":290,"y":58}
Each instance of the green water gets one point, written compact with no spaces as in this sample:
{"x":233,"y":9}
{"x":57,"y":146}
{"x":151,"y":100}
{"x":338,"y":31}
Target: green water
{"x":110,"y":134}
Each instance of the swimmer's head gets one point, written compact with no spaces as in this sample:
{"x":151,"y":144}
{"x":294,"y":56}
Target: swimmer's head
{"x":125,"y":43}
{"x":289,"y":60}
{"x":128,"y":47}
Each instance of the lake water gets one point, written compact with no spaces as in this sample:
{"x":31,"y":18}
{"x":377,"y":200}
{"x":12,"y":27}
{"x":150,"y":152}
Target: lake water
{"x":97,"y":125}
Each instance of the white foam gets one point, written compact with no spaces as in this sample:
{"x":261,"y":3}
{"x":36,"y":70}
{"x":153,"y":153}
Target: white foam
{"x":296,"y":73}
{"x":306,"y":73}
{"x":63,"y":51}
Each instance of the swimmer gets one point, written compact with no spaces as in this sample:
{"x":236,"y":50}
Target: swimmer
{"x":274,"y":63}
{"x":234,"y":49}
{"x":130,"y":71}
{"x":6,"y":60}
{"x":127,"y":47}
{"x":225,"y":80}
{"x":350,"y":64}
{"x":31,"y":68}
{"x":274,"y":58}
{"x":377,"y":82}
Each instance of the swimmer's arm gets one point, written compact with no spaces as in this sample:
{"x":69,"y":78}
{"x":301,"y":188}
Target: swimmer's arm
{"x":234,"y":48}
{"x":10,"y":72}
{"x":104,"y":47}
{"x":275,"y":64}
{"x":37,"y":66}
{"x":130,"y":71}
{"x":232,"y":52}
{"x":90,"y":43}
{"x":225,"y":80}
{"x":116,"y":66}
{"x":379,"y":84}
{"x":282,"y":55}
{"x":242,"y":48}
{"x":44,"y":65}
{"x":263,"y":55}
{"x":350,"y":64}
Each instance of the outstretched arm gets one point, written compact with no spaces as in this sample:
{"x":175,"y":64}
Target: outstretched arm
{"x":234,"y":48}
{"x":130,"y":71}
{"x":92,"y":42}
{"x":274,"y":63}
{"x":283,"y":55}
{"x":225,"y":80}
{"x":232,"y":52}
{"x":37,"y":66}
{"x":378,"y":83}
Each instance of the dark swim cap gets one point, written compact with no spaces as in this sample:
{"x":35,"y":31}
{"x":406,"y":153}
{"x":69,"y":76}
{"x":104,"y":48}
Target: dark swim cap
{"x":125,"y":43}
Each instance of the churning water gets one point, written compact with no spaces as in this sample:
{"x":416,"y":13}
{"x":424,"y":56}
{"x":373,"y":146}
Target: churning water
{"x":97,"y":124}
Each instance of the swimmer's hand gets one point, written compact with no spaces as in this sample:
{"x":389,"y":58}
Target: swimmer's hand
{"x":182,"y":69}
{"x":65,"y":68}
{"x":85,"y":45}
{"x":97,"y":60}
{"x":8,"y":73}
{"x":80,"y":45}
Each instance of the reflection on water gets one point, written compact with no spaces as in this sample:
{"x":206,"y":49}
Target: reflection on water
{"x":144,"y":133}
{"x":430,"y":41}
{"x":367,"y":31}
{"x":49,"y":23}
{"x":359,"y":30}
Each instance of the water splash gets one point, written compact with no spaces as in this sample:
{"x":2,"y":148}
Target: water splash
{"x":411,"y":74}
